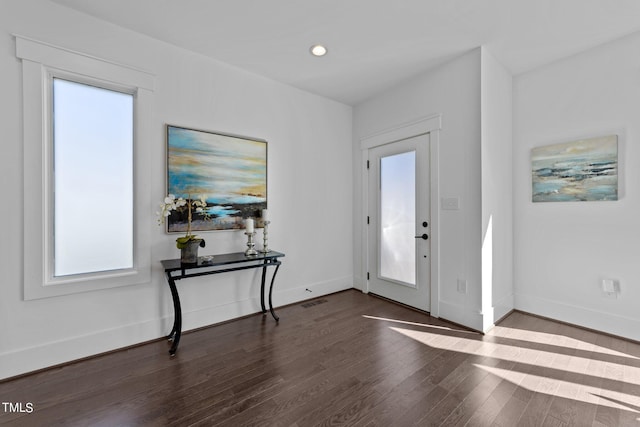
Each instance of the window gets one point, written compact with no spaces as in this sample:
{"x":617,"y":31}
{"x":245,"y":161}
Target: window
{"x":86,"y":150}
{"x":92,"y":179}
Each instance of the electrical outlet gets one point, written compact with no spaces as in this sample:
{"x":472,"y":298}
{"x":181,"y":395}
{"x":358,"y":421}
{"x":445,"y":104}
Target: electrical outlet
{"x":462,"y":286}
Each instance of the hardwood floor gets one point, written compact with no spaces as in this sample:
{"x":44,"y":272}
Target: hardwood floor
{"x":346,"y":359}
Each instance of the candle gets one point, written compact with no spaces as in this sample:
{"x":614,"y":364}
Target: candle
{"x":248,"y":225}
{"x":265,"y":217}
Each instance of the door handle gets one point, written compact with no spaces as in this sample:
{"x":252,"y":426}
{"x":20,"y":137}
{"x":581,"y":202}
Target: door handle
{"x":423,"y":237}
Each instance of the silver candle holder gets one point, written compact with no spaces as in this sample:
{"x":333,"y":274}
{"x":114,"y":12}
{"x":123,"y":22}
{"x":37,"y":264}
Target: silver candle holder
{"x":265,"y":238}
{"x":251,"y":251}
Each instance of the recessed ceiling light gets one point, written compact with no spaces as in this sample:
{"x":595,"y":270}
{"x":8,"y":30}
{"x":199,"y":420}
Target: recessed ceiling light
{"x":318,"y":50}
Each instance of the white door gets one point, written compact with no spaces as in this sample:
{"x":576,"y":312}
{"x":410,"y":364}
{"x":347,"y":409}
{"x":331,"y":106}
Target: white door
{"x":399,"y":244}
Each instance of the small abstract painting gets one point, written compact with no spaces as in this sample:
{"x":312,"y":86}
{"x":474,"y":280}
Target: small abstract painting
{"x":582,"y":170}
{"x":229,"y":172}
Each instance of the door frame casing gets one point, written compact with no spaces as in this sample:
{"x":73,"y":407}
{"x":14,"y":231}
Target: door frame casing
{"x":432,"y":126}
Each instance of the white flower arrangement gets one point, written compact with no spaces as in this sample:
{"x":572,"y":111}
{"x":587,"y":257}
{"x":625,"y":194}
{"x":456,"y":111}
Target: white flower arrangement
{"x":170,"y":204}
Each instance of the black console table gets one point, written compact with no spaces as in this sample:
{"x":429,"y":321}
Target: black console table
{"x":223,"y":263}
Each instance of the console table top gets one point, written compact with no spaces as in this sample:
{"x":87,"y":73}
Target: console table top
{"x":220,"y":259}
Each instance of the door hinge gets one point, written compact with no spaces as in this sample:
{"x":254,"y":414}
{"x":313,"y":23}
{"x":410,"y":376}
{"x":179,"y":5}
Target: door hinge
{"x":367,"y":275}
{"x":367,"y":220}
{"x":367,"y":164}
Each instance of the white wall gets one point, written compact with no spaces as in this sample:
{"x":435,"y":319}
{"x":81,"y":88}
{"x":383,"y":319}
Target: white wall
{"x":452,"y":90}
{"x":497,"y":189}
{"x":563,"y":250}
{"x":309,"y":185}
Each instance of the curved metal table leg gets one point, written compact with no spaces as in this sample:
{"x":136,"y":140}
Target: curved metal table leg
{"x":264,"y":276}
{"x":176,"y":331}
{"x":273,"y":278}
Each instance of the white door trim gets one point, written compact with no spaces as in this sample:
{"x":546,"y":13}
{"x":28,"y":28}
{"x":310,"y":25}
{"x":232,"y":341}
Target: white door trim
{"x":431,"y":125}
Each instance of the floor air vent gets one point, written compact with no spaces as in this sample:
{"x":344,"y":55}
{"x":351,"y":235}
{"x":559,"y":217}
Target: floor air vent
{"x":314,"y":302}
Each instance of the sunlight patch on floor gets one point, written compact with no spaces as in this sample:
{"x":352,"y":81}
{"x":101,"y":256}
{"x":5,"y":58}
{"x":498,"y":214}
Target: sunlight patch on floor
{"x":505,"y":352}
{"x":550,"y":338}
{"x":570,"y":390}
{"x":597,"y":376}
{"x":426,"y":325}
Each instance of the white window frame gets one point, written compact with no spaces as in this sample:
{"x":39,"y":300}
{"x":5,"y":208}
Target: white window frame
{"x":41,"y":62}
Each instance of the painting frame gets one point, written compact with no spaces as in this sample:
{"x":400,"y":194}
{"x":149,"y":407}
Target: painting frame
{"x":228,"y":171}
{"x":576,"y":171}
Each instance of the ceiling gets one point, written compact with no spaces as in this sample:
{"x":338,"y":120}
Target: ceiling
{"x":373,"y":44}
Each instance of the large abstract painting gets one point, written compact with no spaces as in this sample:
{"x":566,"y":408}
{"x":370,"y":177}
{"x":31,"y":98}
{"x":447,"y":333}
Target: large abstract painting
{"x":582,"y":170}
{"x":229,"y":172}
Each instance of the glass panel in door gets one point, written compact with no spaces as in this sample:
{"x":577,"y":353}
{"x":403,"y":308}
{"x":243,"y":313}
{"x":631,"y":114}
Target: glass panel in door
{"x":397,"y":249}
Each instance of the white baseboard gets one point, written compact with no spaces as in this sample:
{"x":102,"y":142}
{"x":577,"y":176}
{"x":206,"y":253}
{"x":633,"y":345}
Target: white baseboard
{"x":474,"y":319}
{"x":606,"y":322}
{"x":502,"y":307}
{"x":290,"y":296}
{"x":30,"y":359}
{"x":360,"y":283}
{"x":487,"y":317}
{"x":461,"y":315}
